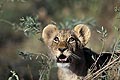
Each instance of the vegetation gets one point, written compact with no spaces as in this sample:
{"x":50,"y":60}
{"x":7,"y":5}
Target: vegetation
{"x":65,"y":13}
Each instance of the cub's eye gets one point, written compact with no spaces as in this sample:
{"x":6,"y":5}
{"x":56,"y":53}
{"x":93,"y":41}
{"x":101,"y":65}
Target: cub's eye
{"x":56,"y":39}
{"x":71,"y":40}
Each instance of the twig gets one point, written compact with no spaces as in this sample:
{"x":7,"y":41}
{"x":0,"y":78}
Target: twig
{"x":31,"y":76}
{"x":97,"y":73}
{"x":114,"y":47}
{"x":94,"y":64}
{"x":8,"y":22}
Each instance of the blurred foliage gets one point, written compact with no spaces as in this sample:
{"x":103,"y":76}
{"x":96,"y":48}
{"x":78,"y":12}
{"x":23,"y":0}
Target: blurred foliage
{"x":103,"y":33}
{"x":18,"y":0}
{"x":68,"y":23}
{"x":21,"y":15}
{"x":43,"y":61}
{"x":29,"y":26}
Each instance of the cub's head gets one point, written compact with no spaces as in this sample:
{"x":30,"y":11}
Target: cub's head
{"x":65,"y":45}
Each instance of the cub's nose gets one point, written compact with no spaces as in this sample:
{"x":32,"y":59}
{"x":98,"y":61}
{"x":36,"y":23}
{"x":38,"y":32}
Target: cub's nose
{"x":62,"y":49}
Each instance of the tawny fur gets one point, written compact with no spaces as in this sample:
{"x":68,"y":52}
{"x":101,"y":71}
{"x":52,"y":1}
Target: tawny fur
{"x":68,"y":49}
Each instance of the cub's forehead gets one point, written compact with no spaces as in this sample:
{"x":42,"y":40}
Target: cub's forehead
{"x":65,"y":33}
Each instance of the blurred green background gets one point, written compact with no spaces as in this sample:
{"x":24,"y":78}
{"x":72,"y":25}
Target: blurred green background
{"x":47,"y":11}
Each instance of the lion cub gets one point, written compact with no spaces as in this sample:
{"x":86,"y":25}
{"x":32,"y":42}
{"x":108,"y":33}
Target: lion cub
{"x":68,"y":49}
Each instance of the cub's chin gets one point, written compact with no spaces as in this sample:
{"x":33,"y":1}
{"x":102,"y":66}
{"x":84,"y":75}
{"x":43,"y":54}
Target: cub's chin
{"x":63,"y":65}
{"x":63,"y":61}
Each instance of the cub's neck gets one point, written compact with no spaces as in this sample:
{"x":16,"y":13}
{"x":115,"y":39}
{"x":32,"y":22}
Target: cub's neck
{"x":76,"y":69}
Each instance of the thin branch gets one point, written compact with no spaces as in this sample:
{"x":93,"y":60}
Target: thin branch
{"x":114,"y":47}
{"x":97,"y":73}
{"x":30,"y":73}
{"x":94,"y":64}
{"x":6,"y":21}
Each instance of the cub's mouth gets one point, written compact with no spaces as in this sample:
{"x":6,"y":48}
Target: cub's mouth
{"x":63,"y":59}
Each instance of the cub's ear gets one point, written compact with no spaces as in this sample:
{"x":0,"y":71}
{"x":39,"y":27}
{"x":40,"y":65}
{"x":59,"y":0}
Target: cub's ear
{"x":49,"y":33}
{"x":83,"y":33}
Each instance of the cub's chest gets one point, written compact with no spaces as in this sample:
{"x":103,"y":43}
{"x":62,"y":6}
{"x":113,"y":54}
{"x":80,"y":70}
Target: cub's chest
{"x":66,"y":74}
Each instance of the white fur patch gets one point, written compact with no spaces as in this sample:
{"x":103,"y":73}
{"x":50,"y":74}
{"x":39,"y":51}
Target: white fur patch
{"x":63,"y":65}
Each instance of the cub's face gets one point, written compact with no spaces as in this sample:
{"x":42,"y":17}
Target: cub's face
{"x":65,"y":44}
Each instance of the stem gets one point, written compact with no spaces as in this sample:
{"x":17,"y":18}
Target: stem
{"x":29,"y":70}
{"x":103,"y":44}
{"x":97,"y":73}
{"x":8,"y":22}
{"x":114,"y":47}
